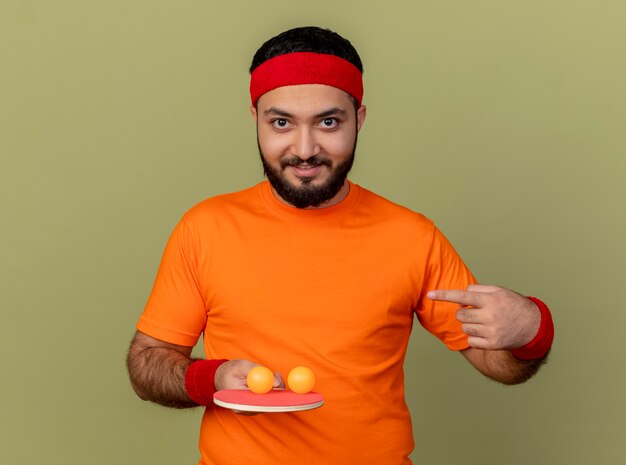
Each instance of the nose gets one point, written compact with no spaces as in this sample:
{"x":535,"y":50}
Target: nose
{"x":305,"y":144}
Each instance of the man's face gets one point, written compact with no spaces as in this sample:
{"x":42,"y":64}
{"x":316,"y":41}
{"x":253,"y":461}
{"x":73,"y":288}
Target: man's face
{"x":307,"y":137}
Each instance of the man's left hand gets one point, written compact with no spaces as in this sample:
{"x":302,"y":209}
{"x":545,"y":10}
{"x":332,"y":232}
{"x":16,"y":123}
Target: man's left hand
{"x":494,"y":318}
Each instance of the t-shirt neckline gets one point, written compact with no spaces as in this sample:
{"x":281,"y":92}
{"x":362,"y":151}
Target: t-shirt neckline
{"x":314,"y":214}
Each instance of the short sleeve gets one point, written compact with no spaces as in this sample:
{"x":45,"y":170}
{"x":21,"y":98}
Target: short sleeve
{"x":176,"y":312}
{"x":444,"y":270}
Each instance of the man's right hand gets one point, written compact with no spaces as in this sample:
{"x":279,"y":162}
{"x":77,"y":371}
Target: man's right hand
{"x":233,"y":374}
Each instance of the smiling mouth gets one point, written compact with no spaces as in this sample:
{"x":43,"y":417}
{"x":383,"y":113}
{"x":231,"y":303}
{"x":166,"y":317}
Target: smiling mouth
{"x":305,"y":170}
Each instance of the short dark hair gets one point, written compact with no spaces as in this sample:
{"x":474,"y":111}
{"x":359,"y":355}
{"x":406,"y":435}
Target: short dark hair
{"x":307,"y":39}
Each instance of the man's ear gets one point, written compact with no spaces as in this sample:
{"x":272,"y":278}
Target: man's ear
{"x":360,"y":116}
{"x":253,"y":112}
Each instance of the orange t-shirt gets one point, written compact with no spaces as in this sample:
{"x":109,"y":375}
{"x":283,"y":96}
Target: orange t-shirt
{"x":334,"y":289}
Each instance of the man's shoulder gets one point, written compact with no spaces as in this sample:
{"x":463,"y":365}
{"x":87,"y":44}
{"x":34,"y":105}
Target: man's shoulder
{"x":392,"y":211}
{"x":242,"y":200}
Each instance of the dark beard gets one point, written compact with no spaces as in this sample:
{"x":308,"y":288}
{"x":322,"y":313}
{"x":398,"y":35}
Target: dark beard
{"x":308,"y":195}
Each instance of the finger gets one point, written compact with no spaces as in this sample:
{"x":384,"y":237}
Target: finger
{"x":469,"y":315}
{"x":243,"y":367}
{"x":473,"y":330}
{"x":483,"y":288}
{"x":237,"y":379}
{"x":478,"y":342}
{"x":237,"y":382}
{"x":472,"y":299}
{"x":279,"y":383}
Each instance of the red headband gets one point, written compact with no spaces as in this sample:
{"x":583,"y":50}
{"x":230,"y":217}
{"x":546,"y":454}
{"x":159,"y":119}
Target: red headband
{"x":296,"y":68}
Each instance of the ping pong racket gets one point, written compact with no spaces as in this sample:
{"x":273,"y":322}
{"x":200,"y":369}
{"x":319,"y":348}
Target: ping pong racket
{"x":277,"y":400}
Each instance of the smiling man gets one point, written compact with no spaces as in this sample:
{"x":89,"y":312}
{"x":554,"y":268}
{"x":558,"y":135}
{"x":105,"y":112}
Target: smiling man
{"x":311,"y":269}
{"x":307,"y":137}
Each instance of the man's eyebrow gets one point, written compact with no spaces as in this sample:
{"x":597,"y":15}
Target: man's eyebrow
{"x":277,"y":112}
{"x":331,"y":112}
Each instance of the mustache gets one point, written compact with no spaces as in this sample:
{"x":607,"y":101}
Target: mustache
{"x":315,"y":160}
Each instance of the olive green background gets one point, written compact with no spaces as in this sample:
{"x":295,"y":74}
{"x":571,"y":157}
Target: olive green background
{"x":504,"y":121}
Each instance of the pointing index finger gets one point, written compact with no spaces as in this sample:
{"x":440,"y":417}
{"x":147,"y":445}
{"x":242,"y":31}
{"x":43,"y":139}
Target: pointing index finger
{"x":468,"y":298}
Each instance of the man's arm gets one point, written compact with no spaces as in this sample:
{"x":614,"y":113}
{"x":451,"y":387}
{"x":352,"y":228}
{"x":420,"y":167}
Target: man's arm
{"x":496,"y":320}
{"x":501,"y":366}
{"x":157,"y":372}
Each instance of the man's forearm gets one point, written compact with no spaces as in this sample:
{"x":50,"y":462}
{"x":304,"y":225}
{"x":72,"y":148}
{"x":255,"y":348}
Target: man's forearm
{"x":502,"y":366}
{"x":158,"y":374}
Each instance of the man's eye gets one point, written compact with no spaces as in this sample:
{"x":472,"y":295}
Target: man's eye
{"x":280,"y":123}
{"x":329,"y":123}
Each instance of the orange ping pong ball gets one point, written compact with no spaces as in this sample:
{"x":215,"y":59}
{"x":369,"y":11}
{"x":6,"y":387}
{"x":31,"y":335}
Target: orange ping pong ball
{"x":301,"y":380}
{"x":260,"y":380}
